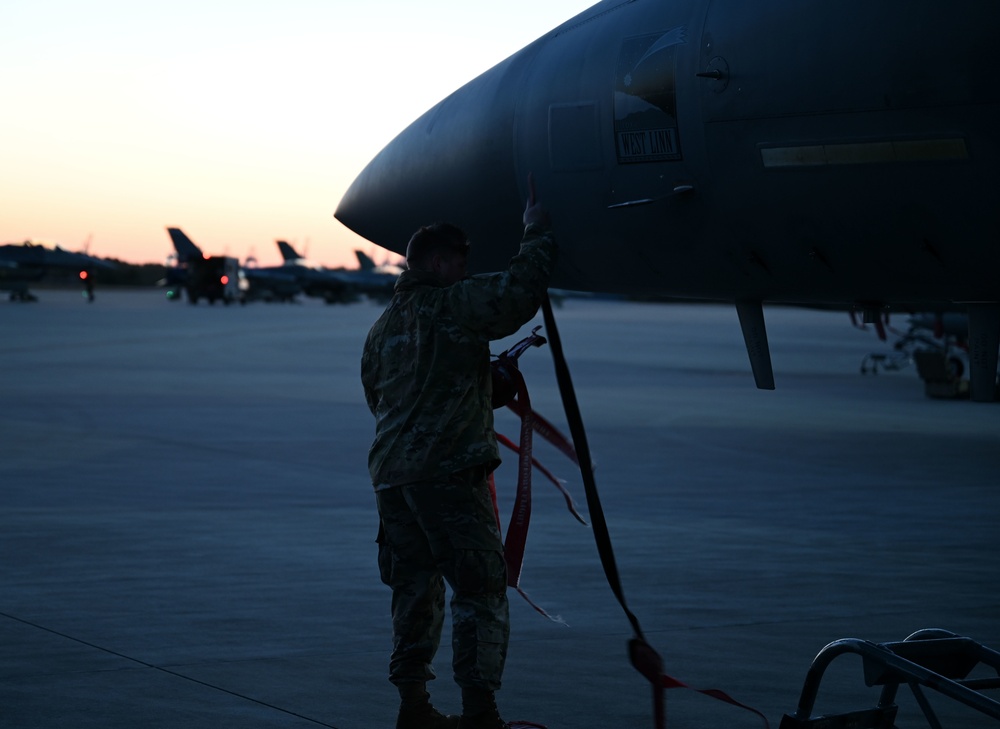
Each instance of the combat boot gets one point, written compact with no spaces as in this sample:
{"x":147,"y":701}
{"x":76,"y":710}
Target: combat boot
{"x":483,"y":720}
{"x":424,"y":716}
{"x":480,"y":711}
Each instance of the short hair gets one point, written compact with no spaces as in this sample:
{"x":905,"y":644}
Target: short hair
{"x":438,"y":239}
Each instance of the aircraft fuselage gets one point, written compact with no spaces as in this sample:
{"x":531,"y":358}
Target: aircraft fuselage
{"x":785,"y":151}
{"x":791,"y":151}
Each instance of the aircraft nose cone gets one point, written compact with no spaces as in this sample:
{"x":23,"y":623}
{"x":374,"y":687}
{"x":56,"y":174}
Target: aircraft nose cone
{"x":454,"y":164}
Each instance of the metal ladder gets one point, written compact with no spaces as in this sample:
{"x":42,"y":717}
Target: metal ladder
{"x":932,"y":658}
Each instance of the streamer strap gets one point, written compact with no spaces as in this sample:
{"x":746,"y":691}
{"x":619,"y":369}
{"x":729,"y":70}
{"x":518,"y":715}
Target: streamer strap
{"x":642,"y":655}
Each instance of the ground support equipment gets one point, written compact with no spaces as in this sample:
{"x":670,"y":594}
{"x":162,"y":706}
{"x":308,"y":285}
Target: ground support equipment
{"x":933,"y":658}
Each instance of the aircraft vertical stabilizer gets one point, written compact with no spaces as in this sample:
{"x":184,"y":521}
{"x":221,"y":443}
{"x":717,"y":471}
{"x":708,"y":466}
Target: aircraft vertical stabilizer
{"x":186,"y":248}
{"x":288,"y":254}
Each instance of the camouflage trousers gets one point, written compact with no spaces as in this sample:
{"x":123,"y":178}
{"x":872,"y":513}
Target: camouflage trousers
{"x":445,"y":531}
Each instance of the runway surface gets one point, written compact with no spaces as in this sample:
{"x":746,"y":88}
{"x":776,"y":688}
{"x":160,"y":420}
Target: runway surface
{"x":187,"y":532}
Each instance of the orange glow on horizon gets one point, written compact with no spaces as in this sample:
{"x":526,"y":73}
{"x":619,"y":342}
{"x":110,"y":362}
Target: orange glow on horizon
{"x":240,"y":134}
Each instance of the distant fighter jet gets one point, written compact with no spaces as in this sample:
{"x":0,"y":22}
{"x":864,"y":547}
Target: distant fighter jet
{"x":367,"y":264}
{"x":27,"y":263}
{"x":369,"y":279}
{"x":220,"y":278}
{"x":837,"y":154}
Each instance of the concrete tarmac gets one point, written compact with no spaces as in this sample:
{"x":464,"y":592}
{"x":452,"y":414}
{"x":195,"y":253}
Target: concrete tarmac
{"x":187,"y":531}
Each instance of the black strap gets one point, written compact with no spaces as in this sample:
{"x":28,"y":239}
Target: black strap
{"x":644,"y":658}
{"x":642,"y":655}
{"x":579,"y":435}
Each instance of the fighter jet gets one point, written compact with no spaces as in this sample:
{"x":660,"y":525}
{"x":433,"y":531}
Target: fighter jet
{"x":221,"y":278}
{"x":341,"y":285}
{"x":27,"y":263}
{"x":377,"y":281}
{"x":792,"y":152}
{"x":367,"y":263}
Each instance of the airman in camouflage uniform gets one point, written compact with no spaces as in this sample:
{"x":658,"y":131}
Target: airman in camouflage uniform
{"x":426,"y":374}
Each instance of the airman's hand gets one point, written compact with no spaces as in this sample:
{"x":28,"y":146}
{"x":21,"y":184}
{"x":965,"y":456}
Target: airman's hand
{"x":534,"y":212}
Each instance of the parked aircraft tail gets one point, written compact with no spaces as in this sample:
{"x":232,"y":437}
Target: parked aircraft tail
{"x":287,"y":252}
{"x":185,"y":247}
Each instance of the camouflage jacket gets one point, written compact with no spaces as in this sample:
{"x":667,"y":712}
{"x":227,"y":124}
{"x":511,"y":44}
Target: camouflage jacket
{"x":426,"y":364}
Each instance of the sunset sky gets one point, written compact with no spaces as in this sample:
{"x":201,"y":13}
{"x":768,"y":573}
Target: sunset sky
{"x":239,"y":122}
